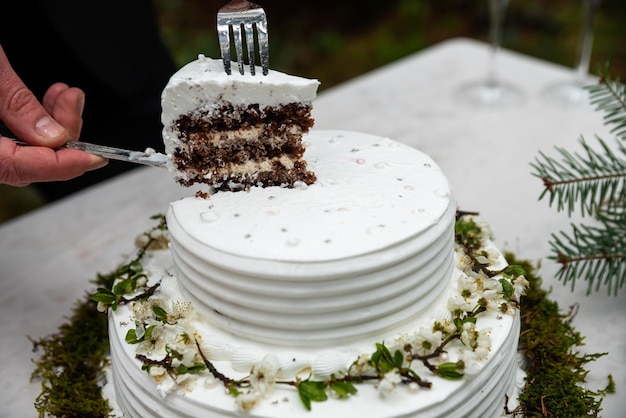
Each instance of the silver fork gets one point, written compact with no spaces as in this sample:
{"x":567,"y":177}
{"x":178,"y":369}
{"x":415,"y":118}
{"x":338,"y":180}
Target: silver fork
{"x":238,"y":16}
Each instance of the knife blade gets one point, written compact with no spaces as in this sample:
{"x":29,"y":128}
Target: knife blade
{"x":147,"y":157}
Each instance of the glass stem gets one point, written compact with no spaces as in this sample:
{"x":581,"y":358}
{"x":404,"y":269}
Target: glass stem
{"x":497,"y":9}
{"x":586,"y":40}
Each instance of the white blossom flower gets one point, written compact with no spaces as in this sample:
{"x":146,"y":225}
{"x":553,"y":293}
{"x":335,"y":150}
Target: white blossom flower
{"x":472,"y":365}
{"x":263,"y":375}
{"x":155,"y":344}
{"x":469,"y":335}
{"x":520,"y":284}
{"x":467,"y":287}
{"x":459,"y":304}
{"x":157,"y":371}
{"x":248,"y":400}
{"x":185,"y":327}
{"x":483,"y":281}
{"x":425,"y":341}
{"x":361,"y":365}
{"x":388,"y":383}
{"x":142,"y":240}
{"x":152,"y":322}
{"x":464,"y":261}
{"x":479,"y":341}
{"x":140,"y":330}
{"x":483,"y":344}
{"x":142,"y":281}
{"x":493,"y":256}
{"x":446,"y":326}
{"x":485,"y":229}
{"x":166,"y":386}
{"x":188,"y":354}
{"x":158,"y":233}
{"x":262,"y":383}
{"x":493,"y":298}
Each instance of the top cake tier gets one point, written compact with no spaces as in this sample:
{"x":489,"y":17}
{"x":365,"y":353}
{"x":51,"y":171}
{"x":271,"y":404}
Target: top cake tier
{"x":365,"y":248}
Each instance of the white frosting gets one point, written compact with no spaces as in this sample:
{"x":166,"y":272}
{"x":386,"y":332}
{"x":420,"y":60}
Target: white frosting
{"x":203,"y":86}
{"x":306,"y":280}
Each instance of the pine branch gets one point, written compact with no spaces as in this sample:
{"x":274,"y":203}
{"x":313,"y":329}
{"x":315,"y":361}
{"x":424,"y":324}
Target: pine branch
{"x":591,"y":180}
{"x":596,"y":254}
{"x":594,"y":181}
{"x":609,"y":96}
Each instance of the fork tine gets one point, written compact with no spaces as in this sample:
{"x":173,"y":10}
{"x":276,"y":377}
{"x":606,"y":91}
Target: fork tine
{"x":249,"y":32}
{"x":264,"y":47}
{"x":238,"y":46}
{"x":223,"y":34}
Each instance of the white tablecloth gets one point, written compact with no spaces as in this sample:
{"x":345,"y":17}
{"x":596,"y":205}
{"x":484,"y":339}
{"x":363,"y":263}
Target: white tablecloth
{"x":47,"y":257}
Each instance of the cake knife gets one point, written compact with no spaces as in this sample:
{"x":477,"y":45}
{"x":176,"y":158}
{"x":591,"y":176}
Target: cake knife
{"x":147,"y":157}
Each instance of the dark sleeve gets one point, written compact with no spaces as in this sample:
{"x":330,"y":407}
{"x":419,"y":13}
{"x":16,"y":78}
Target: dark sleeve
{"x":116,"y":40}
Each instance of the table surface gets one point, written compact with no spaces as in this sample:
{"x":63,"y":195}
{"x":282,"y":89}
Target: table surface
{"x":49,"y":256}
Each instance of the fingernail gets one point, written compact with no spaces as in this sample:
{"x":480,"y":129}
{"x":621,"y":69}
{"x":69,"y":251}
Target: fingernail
{"x":48,"y":127}
{"x":96,"y":162}
{"x":81,"y":104}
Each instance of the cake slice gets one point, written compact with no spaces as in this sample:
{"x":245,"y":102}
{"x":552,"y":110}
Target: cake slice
{"x":236,"y":131}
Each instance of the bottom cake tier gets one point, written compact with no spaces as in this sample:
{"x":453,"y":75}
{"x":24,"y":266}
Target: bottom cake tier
{"x":459,"y":359}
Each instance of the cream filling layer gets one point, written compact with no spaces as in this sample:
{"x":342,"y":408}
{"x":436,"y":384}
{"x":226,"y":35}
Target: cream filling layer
{"x":220,"y":138}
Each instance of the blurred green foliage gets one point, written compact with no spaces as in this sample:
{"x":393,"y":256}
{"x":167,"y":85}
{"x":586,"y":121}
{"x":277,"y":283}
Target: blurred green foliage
{"x":334,"y":41}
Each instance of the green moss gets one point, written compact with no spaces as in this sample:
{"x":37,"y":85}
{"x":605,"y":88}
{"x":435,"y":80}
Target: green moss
{"x":555,"y":370}
{"x":71,"y":364}
{"x":72,"y":360}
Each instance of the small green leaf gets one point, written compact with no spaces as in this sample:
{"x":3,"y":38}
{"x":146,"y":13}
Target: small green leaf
{"x":458,"y":323}
{"x":382,"y":359}
{"x":124,"y":287}
{"x":160,"y":313}
{"x":135,"y":266}
{"x":195,"y":369}
{"x":507,"y":288}
{"x":312,"y":392}
{"x":343,"y":389}
{"x":139,"y":276}
{"x":148,"y":333}
{"x":104,"y":295}
{"x":515,"y":270}
{"x":233,"y":391}
{"x":398,"y":358}
{"x":451,"y":371}
{"x":469,"y":320}
{"x":131,"y":337}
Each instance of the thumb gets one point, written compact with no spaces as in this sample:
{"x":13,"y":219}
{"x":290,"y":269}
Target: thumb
{"x":22,"y":113}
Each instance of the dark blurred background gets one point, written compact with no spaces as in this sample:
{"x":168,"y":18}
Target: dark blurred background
{"x":334,"y":41}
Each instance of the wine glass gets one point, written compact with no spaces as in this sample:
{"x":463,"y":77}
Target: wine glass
{"x":573,"y":92}
{"x":491,"y":91}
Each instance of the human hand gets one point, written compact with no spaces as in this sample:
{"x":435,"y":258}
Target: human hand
{"x":44,"y":125}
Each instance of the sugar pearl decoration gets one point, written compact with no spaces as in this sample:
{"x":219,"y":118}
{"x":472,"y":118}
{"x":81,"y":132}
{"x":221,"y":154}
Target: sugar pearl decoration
{"x":209,"y":216}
